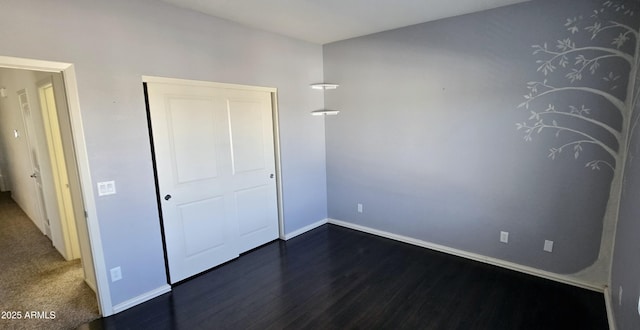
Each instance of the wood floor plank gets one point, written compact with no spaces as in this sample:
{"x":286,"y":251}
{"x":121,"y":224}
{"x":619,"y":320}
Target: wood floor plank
{"x":337,"y":278}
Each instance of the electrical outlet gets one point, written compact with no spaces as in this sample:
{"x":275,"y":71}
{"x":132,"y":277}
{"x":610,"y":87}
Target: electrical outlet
{"x":548,"y":245}
{"x":116,"y":274}
{"x":504,"y":236}
{"x":359,"y":208}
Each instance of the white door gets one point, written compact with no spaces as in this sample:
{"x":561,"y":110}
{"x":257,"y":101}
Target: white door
{"x":40,"y":199}
{"x":214,"y":150}
{"x":43,"y":221}
{"x":60,"y":194}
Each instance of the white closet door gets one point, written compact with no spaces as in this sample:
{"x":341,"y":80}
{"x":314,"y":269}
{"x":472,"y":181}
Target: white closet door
{"x":215,"y":160}
{"x":253,"y":167}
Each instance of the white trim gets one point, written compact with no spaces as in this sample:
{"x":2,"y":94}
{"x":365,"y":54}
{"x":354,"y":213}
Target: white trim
{"x":609,"y":306}
{"x":304,"y":229}
{"x":141,"y":298}
{"x":473,"y":256}
{"x":276,"y":149}
{"x":71,"y":88}
{"x":84,"y":170}
{"x":31,"y":64}
{"x":176,"y":81}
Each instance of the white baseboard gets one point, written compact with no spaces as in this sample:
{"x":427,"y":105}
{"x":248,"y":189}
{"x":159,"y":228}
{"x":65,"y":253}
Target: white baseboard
{"x":472,"y":256}
{"x":141,"y":298}
{"x":304,"y":229}
{"x":609,"y":306}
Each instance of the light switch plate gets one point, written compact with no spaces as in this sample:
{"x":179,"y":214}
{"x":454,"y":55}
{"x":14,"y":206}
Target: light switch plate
{"x":548,"y":245}
{"x":106,"y":188}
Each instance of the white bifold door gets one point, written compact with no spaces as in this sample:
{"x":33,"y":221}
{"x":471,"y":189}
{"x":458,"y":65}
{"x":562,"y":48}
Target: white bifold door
{"x":215,"y":161}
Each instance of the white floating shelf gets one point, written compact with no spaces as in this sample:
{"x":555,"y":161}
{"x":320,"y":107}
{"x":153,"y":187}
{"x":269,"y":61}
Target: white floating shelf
{"x":325,"y":112}
{"x":324,"y":86}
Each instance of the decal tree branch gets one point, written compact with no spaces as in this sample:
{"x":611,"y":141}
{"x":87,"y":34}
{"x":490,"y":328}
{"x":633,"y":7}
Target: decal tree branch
{"x":600,"y":55}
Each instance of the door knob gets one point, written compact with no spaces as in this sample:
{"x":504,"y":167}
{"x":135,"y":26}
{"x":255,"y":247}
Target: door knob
{"x":271,"y":176}
{"x":33,"y":175}
{"x":167,"y":197}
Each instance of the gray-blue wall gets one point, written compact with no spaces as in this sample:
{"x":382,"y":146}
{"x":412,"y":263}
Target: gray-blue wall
{"x":625,"y":271}
{"x":112,"y":44}
{"x":427,"y":141}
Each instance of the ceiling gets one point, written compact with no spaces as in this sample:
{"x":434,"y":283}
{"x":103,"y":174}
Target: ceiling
{"x":324,"y":21}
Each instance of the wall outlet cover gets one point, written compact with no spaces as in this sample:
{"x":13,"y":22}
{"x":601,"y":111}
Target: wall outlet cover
{"x":116,"y":274}
{"x":548,"y":245}
{"x":620,"y":295}
{"x":504,"y":236}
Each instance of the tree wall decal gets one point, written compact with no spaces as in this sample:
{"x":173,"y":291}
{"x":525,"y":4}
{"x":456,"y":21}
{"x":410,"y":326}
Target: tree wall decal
{"x":600,"y":65}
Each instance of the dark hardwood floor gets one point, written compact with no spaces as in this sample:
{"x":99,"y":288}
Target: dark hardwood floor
{"x":336,"y":278}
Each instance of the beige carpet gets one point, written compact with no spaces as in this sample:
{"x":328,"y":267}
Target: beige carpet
{"x":36,"y":284}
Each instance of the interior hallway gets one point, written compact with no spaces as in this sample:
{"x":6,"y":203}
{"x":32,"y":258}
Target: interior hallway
{"x":35,"y":278}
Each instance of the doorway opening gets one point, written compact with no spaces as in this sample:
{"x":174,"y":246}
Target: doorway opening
{"x":44,"y":142}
